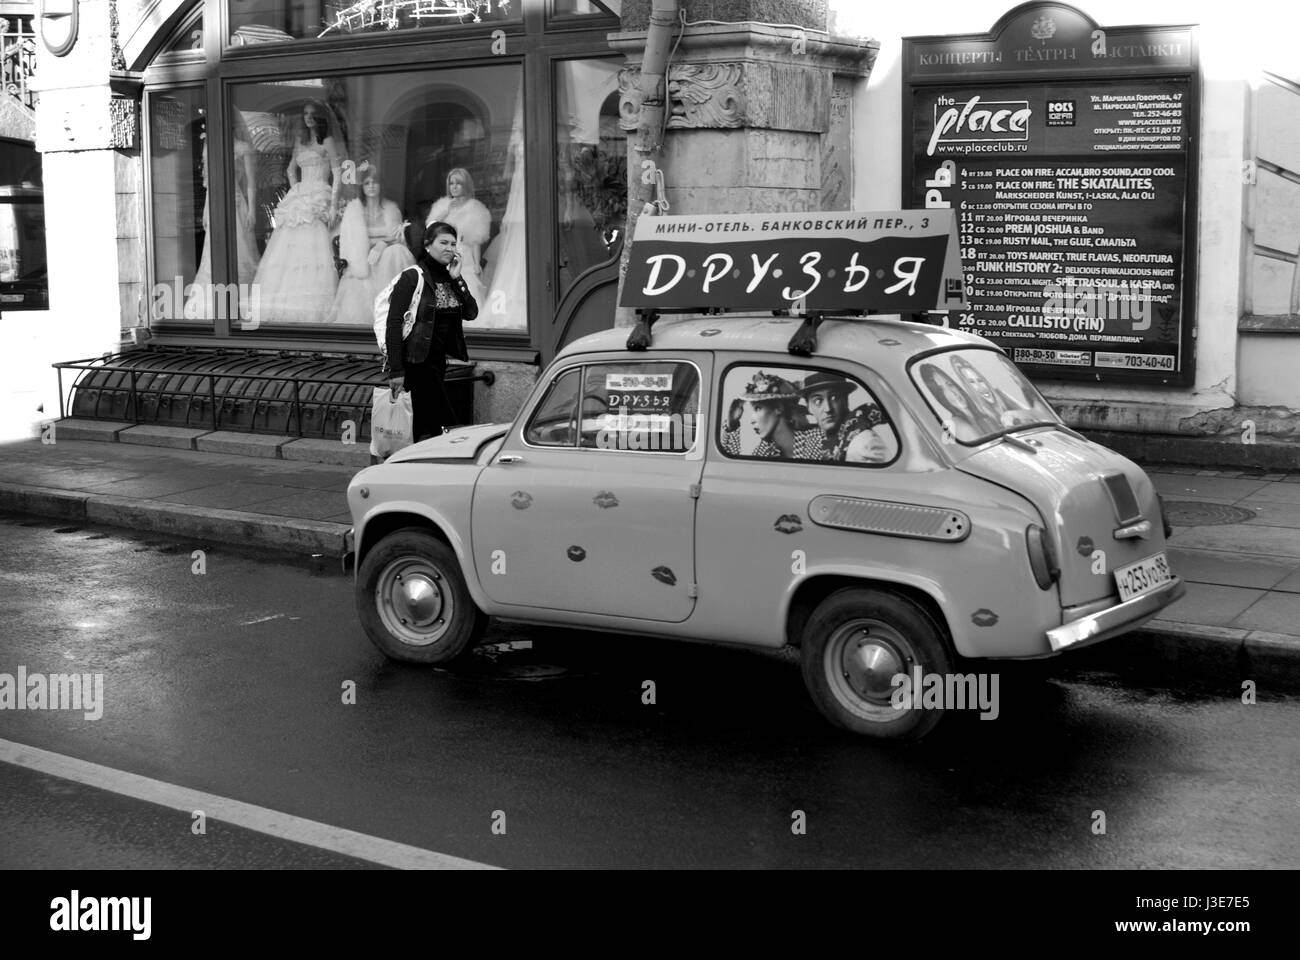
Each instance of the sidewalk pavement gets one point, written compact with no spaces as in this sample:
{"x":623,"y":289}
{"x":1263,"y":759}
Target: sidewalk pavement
{"x":1236,"y":533}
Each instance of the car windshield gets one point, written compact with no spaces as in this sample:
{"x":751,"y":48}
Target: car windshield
{"x":979,"y":394}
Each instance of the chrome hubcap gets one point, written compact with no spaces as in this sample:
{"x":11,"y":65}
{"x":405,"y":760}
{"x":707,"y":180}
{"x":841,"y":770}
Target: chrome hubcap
{"x":862,"y":658}
{"x":414,"y":601}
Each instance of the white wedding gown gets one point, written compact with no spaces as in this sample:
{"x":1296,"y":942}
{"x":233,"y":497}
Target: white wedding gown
{"x":296,"y":279}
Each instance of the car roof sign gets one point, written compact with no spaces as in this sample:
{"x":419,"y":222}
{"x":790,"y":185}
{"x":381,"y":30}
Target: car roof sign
{"x":899,"y":261}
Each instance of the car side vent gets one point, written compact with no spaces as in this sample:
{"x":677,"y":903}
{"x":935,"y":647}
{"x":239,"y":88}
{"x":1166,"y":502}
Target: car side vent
{"x":889,"y":519}
{"x":1127,"y":510}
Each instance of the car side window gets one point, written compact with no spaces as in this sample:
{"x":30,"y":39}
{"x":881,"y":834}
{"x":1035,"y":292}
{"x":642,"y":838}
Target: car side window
{"x":802,"y":414}
{"x":554,"y":422}
{"x":645,"y":406}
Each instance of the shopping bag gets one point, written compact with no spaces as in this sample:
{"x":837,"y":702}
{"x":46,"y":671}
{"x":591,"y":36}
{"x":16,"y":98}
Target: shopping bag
{"x":390,"y":422}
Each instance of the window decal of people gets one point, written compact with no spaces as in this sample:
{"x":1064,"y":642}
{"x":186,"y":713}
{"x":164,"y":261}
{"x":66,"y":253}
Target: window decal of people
{"x":473,"y":223}
{"x":968,"y":422}
{"x":296,"y":279}
{"x":802,"y":415}
{"x":996,"y":404}
{"x":372,"y":239}
{"x":847,"y":436}
{"x":776,"y":415}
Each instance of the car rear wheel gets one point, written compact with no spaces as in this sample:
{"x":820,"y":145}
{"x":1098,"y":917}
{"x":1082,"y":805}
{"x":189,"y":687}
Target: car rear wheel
{"x":412,"y":599}
{"x":853,"y":646}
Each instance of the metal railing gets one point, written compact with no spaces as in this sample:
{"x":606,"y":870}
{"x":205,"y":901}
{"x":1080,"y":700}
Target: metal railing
{"x":178,"y":377}
{"x":18,"y":58}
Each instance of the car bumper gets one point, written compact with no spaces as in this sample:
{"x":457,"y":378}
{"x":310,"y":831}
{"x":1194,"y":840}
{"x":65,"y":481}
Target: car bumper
{"x":349,"y":550}
{"x":1114,"y":620}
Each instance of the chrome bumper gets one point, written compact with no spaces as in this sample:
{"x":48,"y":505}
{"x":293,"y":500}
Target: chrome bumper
{"x":1106,"y":623}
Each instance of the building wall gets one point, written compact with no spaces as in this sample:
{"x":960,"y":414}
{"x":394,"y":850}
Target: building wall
{"x":1235,"y":44}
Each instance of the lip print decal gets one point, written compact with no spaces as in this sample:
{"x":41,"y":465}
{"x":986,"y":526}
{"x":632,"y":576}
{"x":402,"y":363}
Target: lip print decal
{"x":984,"y":617}
{"x":577,"y":554}
{"x":520,"y":500}
{"x":664,"y":575}
{"x":605,"y":499}
{"x":1085,"y":546}
{"x":788,"y":523}
{"x":711,"y":332}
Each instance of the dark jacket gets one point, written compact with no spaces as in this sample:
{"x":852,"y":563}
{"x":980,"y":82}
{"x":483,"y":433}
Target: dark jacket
{"x":434,"y":329}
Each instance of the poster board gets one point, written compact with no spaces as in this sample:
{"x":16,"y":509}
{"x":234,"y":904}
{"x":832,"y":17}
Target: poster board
{"x":1066,"y":150}
{"x":877,"y":261}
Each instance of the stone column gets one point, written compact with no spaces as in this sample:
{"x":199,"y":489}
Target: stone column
{"x":87,"y":130}
{"x":749,"y":106}
{"x":750,"y":121}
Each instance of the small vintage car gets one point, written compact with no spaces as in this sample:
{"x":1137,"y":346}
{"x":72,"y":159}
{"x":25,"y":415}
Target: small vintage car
{"x":897,"y":503}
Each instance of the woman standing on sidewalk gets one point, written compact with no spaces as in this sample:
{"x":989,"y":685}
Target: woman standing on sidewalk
{"x":420,"y":362}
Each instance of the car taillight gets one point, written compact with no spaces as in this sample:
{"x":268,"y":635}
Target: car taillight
{"x":1041,"y":558}
{"x":1164,"y":517}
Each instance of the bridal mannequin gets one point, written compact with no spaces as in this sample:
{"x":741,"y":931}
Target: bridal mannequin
{"x":372,"y":239}
{"x":296,"y":279}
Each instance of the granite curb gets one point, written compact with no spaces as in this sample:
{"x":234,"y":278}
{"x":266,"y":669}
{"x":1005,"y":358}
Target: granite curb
{"x":206,"y":524}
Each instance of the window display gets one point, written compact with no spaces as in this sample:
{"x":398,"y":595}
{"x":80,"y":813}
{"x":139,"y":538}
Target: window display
{"x":591,"y":169}
{"x":348,"y":170}
{"x":372,"y":245}
{"x":179,"y":196}
{"x":268,"y":21}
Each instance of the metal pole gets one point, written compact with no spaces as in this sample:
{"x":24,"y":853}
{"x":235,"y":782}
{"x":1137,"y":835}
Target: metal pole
{"x":297,"y":406}
{"x":212,"y":398}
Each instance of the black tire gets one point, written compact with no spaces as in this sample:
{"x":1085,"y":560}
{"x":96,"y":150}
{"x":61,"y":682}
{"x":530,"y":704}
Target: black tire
{"x":853,"y":645}
{"x":413,"y":602}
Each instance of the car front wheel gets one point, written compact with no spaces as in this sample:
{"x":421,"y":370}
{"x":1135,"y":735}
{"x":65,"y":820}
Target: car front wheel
{"x":412,"y":599}
{"x":854,"y":645}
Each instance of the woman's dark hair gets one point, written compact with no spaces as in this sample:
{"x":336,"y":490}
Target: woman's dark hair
{"x":436,"y":229}
{"x":322,"y":122}
{"x":936,"y":380}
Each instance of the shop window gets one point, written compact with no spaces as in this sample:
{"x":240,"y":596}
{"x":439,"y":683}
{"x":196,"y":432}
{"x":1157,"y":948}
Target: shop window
{"x":269,"y":21}
{"x":586,"y":8}
{"x":23,"y":281}
{"x":178,"y":192}
{"x":800,"y":414}
{"x":591,"y":166}
{"x":341,"y":175}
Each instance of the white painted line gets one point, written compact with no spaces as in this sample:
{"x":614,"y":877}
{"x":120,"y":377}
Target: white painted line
{"x":311,"y":833}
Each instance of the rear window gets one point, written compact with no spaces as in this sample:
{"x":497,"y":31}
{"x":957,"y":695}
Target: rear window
{"x":979,"y":394}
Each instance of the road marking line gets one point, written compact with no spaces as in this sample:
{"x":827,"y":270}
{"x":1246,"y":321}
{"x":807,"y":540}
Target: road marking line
{"x":286,"y":826}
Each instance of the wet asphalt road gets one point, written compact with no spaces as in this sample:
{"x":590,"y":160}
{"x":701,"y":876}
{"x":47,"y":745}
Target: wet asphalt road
{"x":230,"y":682}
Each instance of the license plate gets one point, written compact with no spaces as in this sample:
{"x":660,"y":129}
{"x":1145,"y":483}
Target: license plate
{"x":1143,"y":576}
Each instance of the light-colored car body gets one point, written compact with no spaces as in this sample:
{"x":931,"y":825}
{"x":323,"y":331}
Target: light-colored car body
{"x":702,"y":546}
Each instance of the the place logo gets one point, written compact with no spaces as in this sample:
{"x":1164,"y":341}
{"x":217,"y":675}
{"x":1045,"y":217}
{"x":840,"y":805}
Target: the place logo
{"x":946,"y":691}
{"x":53,"y":691}
{"x":75,"y":914}
{"x":976,"y":125}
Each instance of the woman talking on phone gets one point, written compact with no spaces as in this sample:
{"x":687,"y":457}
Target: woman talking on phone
{"x":420,"y":362}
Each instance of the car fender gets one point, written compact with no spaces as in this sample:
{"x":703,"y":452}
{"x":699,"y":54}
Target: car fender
{"x":446,"y":523}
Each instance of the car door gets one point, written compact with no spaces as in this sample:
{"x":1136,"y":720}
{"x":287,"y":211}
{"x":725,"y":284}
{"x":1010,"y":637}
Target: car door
{"x":756,"y":537}
{"x":589,"y":505}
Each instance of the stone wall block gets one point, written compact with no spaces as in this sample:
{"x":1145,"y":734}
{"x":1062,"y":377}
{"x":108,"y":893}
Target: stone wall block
{"x":1279,"y":126}
{"x":1272,"y":287}
{"x":1277,"y":212}
{"x":130,"y":304}
{"x":129,"y":259}
{"x":126,"y":172}
{"x":128,"y":216}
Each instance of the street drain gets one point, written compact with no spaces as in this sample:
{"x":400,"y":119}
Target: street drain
{"x":1194,"y":513}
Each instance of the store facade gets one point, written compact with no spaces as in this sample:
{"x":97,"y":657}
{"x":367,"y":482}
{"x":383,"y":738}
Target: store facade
{"x":286,"y":155}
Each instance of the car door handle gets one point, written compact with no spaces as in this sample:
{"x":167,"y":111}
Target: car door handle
{"x":510,"y":458}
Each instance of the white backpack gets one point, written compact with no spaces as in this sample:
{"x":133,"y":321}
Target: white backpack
{"x":381,"y":310}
